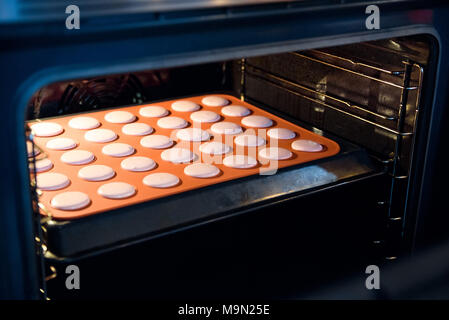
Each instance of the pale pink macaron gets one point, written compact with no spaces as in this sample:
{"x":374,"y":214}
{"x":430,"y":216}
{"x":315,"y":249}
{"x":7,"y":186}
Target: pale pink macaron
{"x":306,"y":145}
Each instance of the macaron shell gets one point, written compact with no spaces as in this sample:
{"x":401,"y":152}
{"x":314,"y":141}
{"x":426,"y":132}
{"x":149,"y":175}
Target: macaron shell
{"x":138,"y":164}
{"x":96,"y":173}
{"x":185,"y":106}
{"x":118,"y":149}
{"x":116,"y":190}
{"x":226,"y":128}
{"x":306,"y":146}
{"x":77,"y":157}
{"x":192,"y":134}
{"x":274,"y":153}
{"x":161,"y":180}
{"x":61,"y":144}
{"x":137,"y":129}
{"x":52,"y":181}
{"x":71,"y":200}
{"x":42,"y":165}
{"x":156,"y":141}
{"x":214,"y":101}
{"x":84,"y":123}
{"x":239,"y":161}
{"x":201,"y":170}
{"x":100,"y":135}
{"x":257,"y":121}
{"x":205,"y":116}
{"x":46,"y":129}
{"x":153,"y":112}
{"x":119,"y":117}
{"x":281,"y":133}
{"x":172,"y":123}
{"x":215,"y":147}
{"x":235,"y":111}
{"x":249,"y":140}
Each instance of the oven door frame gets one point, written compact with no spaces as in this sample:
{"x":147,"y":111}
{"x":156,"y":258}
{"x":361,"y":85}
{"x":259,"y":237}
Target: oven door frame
{"x":30,"y":60}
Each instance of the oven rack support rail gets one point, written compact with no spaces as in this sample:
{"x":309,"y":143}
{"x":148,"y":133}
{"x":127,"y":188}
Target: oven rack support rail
{"x":38,"y":222}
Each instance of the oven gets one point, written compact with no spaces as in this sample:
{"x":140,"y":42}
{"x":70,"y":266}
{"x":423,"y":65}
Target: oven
{"x":378,"y":96}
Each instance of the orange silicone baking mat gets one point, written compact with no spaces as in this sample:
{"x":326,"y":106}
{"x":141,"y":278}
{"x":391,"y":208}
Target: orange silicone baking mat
{"x":145,"y":193}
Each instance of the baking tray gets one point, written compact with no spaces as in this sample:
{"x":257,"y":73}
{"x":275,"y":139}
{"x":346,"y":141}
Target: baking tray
{"x":144,"y":193}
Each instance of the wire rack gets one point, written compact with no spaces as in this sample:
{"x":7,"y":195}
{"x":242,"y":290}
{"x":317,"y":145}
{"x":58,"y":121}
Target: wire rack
{"x":404,"y":80}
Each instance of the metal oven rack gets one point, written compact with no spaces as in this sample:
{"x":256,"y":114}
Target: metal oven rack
{"x":39,"y":229}
{"x":398,"y":162}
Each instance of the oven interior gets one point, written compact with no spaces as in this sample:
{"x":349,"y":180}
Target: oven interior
{"x":279,"y":242}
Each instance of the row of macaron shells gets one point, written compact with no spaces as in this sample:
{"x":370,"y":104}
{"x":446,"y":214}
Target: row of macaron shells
{"x":100,"y":172}
{"x":160,"y":141}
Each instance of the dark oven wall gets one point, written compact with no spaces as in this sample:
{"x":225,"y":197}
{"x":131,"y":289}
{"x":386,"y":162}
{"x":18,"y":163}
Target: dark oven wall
{"x":81,"y":95}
